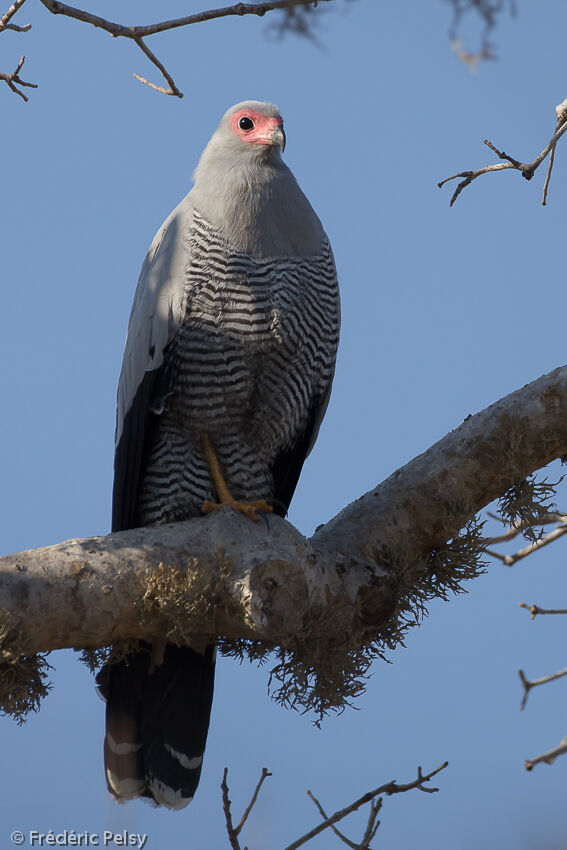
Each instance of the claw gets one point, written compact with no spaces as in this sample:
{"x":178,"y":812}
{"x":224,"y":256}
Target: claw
{"x":249,"y":509}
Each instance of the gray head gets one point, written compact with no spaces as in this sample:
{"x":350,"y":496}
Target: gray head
{"x":252,"y":128}
{"x":243,"y":186}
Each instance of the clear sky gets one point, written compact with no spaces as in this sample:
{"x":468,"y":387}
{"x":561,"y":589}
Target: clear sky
{"x":444,"y":311}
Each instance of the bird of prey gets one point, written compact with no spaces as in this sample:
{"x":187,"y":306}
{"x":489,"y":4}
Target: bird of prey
{"x":226,"y":376}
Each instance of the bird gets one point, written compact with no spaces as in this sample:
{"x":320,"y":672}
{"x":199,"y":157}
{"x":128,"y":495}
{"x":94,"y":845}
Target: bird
{"x":226,"y":376}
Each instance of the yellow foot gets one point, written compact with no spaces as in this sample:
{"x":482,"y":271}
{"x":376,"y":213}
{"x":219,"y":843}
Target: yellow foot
{"x":250,"y":509}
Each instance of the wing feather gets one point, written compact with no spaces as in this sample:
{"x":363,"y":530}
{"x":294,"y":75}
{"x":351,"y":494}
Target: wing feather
{"x":156,"y":314}
{"x":287,"y":466}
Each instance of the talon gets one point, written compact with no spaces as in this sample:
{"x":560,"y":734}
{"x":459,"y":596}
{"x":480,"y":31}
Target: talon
{"x":249,"y":509}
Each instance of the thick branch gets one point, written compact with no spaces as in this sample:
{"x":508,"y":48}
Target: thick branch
{"x":223,"y":575}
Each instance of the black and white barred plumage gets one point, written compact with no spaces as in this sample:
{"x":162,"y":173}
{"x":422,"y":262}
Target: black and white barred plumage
{"x":233,"y":334}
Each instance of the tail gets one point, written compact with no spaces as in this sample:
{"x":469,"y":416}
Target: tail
{"x":157,"y":718}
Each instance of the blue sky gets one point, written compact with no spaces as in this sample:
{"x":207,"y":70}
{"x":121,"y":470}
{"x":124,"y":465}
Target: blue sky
{"x":444,"y":311}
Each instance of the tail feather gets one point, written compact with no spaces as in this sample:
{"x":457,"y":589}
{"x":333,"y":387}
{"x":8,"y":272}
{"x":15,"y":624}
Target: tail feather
{"x":157,"y":718}
{"x":175,"y":723}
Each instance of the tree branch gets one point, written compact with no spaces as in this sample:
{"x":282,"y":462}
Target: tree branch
{"x":13,"y":80}
{"x":172,"y":90}
{"x":337,"y":832}
{"x":535,"y":609}
{"x":527,"y":170}
{"x":389,"y":788}
{"x":137,"y":33}
{"x":222,"y":575}
{"x":252,"y":803}
{"x":527,"y":685}
{"x":510,"y":560}
{"x":549,"y":757}
{"x":232,"y":831}
{"x":7,"y":16}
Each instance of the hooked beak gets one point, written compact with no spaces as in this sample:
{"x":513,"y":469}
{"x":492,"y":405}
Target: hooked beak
{"x":278,"y":137}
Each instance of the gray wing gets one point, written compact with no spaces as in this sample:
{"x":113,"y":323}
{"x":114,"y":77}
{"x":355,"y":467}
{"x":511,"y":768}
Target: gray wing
{"x":287,"y":466}
{"x":155,"y":316}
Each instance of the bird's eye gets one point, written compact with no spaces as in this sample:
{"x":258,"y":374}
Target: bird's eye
{"x":246,"y":123}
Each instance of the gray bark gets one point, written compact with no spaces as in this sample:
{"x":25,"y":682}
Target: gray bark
{"x":225,"y":575}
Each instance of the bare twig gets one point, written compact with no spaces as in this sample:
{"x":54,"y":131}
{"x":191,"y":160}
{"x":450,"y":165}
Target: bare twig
{"x":337,"y":832}
{"x":13,"y":80}
{"x":234,"y":832}
{"x":488,"y":13}
{"x":137,"y":33}
{"x":548,"y":176}
{"x":7,"y":16}
{"x":518,"y":528}
{"x":549,"y":757}
{"x":172,"y":90}
{"x":527,"y":170}
{"x":543,"y":681}
{"x":372,"y":825}
{"x":369,"y":832}
{"x":243,"y":819}
{"x":535,"y":609}
{"x":389,"y":788}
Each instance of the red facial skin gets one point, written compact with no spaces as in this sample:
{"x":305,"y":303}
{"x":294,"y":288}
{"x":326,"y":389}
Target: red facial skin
{"x":261,"y":133}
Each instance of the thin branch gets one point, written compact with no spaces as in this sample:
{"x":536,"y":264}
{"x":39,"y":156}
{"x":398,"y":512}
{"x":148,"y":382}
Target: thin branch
{"x":137,"y":33}
{"x":527,"y":170}
{"x":548,"y":176}
{"x":369,"y":832}
{"x":232,"y":834}
{"x":561,"y":112}
{"x":549,"y":757}
{"x":535,"y":609}
{"x":172,"y":90}
{"x":13,"y":80}
{"x":7,"y":16}
{"x":115,"y":29}
{"x":516,"y":529}
{"x":244,"y":818}
{"x":488,"y":13}
{"x":389,"y":789}
{"x":372,"y":825}
{"x":527,"y":685}
{"x":337,"y":832}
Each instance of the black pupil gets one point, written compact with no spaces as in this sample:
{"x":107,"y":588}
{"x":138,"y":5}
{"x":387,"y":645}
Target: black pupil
{"x":245,"y":123}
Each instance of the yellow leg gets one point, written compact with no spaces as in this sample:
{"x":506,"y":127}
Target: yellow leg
{"x":250,"y":509}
